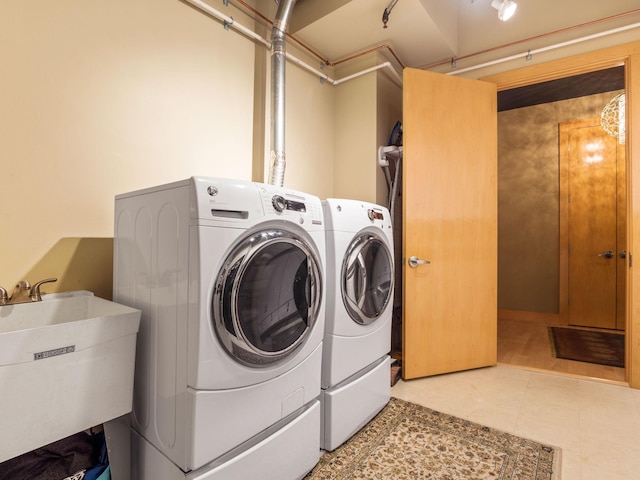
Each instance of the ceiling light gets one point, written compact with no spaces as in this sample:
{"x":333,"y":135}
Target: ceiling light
{"x":506,"y":8}
{"x":613,"y":116}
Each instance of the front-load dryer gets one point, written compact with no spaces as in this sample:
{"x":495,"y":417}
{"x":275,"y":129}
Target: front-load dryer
{"x":355,"y":366}
{"x":229,"y":276}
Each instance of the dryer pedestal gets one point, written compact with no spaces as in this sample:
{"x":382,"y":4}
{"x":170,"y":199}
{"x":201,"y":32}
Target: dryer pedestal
{"x":351,"y":404}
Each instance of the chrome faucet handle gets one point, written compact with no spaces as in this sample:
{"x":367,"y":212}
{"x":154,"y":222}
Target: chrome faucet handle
{"x":34,"y":294}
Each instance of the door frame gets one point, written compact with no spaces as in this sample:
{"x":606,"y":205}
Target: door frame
{"x":629,"y":56}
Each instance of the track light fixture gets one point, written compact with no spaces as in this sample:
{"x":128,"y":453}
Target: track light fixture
{"x":387,"y":12}
{"x":506,"y":8}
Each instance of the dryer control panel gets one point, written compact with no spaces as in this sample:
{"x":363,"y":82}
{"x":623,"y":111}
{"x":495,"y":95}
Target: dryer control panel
{"x":280,"y":204}
{"x":287,"y":202}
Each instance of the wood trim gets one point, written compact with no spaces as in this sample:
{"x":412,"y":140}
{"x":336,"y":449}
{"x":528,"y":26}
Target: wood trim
{"x":633,"y":214}
{"x":564,"y":374}
{"x":629,"y":55}
{"x":623,"y":236}
{"x":565,"y":67}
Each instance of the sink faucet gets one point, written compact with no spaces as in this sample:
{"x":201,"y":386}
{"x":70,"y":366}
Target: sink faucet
{"x":24,"y":292}
{"x":20,"y":293}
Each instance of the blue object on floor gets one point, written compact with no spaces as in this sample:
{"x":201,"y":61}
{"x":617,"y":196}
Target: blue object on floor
{"x":102,"y":472}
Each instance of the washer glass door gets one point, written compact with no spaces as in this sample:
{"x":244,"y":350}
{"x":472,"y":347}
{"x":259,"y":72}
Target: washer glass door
{"x":367,"y":278}
{"x":267,"y":297}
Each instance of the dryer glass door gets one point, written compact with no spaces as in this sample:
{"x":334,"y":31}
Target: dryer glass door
{"x":367,"y":278}
{"x":267,"y":297}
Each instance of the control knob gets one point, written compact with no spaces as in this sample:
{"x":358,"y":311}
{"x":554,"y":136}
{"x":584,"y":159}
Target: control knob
{"x":279,"y":203}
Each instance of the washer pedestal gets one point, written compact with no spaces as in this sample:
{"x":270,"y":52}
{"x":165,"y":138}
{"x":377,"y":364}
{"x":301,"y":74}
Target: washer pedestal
{"x":260,"y":457}
{"x":351,"y":404}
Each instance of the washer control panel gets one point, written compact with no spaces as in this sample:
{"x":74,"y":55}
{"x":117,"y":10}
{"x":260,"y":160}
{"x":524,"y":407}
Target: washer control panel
{"x":374,"y":214}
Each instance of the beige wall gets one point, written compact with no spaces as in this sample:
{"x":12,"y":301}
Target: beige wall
{"x":354,"y":174}
{"x":104,"y":97}
{"x":366,"y":109}
{"x":309,"y":131}
{"x":528,"y":201}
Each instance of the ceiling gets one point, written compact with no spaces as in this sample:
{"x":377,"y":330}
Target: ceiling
{"x":421,"y":33}
{"x":591,"y":83}
{"x":449,"y":36}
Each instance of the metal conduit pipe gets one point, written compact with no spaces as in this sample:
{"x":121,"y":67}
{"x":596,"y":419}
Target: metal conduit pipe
{"x":277,"y":161}
{"x":232,"y":24}
{"x":535,"y":37}
{"x":278,"y":64}
{"x":530,"y":53}
{"x":228,"y":21}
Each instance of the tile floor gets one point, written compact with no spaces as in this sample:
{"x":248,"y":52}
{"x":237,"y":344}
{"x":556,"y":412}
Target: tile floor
{"x":596,"y":424}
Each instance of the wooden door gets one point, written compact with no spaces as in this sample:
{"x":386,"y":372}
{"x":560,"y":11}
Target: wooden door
{"x":449,"y":219}
{"x":621,"y":241}
{"x":596,"y":225}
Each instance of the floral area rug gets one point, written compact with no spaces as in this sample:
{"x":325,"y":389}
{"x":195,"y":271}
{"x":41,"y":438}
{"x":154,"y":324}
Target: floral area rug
{"x":409,"y":441}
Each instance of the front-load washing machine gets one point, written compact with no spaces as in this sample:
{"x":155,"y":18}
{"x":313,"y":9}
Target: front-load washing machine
{"x":229,"y":276}
{"x":355,"y":366}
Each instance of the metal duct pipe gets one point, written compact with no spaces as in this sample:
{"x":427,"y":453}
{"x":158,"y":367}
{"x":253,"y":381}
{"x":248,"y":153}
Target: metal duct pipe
{"x":278,"y":63}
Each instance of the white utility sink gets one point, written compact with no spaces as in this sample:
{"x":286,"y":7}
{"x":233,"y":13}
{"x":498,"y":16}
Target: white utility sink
{"x":66,"y":364}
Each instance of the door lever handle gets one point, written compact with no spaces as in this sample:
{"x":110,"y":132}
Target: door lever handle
{"x":607,"y":254}
{"x":415,"y":261}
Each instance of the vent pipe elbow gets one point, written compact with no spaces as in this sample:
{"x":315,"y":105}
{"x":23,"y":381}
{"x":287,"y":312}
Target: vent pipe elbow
{"x":278,"y":64}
